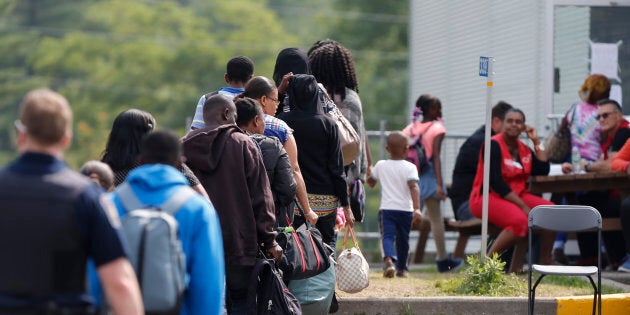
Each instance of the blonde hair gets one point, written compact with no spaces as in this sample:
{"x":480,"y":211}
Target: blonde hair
{"x":46,"y":115}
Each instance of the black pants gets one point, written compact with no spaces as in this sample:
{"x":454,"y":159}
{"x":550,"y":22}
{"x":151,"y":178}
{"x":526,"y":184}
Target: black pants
{"x":613,"y":240}
{"x":237,"y":282}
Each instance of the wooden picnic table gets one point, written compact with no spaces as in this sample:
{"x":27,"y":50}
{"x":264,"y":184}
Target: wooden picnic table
{"x":579,"y":182}
{"x":569,"y":183}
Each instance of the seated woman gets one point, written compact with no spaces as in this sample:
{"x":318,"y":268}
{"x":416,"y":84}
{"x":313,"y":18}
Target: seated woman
{"x":509,"y":201}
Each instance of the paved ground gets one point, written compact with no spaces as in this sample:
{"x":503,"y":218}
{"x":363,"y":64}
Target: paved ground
{"x":611,"y":304}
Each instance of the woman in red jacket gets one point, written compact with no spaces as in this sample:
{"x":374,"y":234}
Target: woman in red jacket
{"x":509,"y":202}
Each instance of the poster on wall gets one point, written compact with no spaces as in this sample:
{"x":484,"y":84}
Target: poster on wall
{"x":605,"y":60}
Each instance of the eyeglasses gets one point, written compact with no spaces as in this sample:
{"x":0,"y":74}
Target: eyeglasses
{"x":19,"y":126}
{"x":604,"y":115}
{"x":273,"y":99}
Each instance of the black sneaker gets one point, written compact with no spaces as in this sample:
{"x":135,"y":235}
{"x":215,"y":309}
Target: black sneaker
{"x":402,"y":273}
{"x":449,"y":265}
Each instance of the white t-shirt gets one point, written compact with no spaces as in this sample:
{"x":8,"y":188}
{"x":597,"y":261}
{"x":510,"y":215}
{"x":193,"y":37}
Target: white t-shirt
{"x":394,"y":175}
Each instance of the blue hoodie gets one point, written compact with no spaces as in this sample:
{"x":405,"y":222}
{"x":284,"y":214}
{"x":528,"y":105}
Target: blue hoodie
{"x":199,"y":231}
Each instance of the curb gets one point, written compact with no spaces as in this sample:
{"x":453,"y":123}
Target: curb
{"x":575,"y":305}
{"x":611,"y":304}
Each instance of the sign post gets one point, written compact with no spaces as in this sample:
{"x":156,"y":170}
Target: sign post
{"x":485,"y":70}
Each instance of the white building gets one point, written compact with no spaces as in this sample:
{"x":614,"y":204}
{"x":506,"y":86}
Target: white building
{"x":542,"y":50}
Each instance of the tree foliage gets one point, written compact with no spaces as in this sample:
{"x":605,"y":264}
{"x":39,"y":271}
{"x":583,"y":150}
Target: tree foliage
{"x":106,"y":56}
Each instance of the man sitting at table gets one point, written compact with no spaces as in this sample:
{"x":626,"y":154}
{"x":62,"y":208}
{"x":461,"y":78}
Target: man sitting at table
{"x":615,"y":130}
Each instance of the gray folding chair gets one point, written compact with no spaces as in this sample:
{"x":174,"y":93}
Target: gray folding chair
{"x":567,"y":218}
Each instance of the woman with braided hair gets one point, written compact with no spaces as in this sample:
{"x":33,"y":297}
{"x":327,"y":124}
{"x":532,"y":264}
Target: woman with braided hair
{"x":332,"y":65}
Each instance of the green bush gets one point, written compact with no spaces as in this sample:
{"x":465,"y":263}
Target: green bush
{"x":484,"y":279}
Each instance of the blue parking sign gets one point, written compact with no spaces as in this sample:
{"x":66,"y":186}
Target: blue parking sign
{"x":483,"y":66}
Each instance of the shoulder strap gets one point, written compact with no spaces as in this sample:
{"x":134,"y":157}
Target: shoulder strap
{"x":130,"y":201}
{"x":177,"y":200}
{"x":128,"y":197}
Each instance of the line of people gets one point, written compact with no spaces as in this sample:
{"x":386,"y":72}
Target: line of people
{"x":246,"y":165}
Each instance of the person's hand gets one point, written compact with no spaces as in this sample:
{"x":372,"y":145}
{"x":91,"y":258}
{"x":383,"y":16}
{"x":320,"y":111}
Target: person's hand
{"x":275,"y":252}
{"x":284,"y":84}
{"x":526,"y":209}
{"x":531,"y":134}
{"x":440,"y":193}
{"x":349,"y":216}
{"x":567,"y":168}
{"x":311,"y":217}
{"x":368,"y":171}
{"x":417,"y":217}
{"x":340,"y":221}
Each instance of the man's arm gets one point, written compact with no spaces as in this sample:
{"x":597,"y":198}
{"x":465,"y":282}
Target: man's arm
{"x":121,"y":287}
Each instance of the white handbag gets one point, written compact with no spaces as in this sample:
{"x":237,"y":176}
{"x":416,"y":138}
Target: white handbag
{"x":353,"y":271}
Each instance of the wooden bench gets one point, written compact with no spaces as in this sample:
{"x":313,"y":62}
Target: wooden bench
{"x":468,"y":228}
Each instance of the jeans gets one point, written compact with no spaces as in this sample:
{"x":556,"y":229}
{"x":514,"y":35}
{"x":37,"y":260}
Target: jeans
{"x":395,"y":226}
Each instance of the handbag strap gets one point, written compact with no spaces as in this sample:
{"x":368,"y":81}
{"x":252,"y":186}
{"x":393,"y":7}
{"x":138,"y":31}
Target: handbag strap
{"x":350,"y":231}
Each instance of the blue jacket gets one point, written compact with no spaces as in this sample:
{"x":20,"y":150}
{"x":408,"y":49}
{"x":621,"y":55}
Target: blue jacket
{"x":199,"y":231}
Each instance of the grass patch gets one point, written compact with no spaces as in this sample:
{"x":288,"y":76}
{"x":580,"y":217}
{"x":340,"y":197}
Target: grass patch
{"x":428,"y":282}
{"x":484,"y":279}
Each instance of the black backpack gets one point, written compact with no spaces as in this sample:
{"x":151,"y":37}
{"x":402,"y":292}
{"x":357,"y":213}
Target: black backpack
{"x":267,"y":292}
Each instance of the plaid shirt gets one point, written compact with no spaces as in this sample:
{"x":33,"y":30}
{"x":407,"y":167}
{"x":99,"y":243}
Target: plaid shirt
{"x":275,"y":127}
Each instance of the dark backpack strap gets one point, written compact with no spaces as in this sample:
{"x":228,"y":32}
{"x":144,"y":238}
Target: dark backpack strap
{"x":252,"y":292}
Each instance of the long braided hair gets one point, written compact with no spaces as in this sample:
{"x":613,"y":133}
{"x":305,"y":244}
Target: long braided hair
{"x":332,"y":65}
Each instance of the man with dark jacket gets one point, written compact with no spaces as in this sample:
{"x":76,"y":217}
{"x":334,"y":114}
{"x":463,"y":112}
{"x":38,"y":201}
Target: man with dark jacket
{"x":53,"y":219}
{"x":466,"y":163}
{"x":230,"y":168}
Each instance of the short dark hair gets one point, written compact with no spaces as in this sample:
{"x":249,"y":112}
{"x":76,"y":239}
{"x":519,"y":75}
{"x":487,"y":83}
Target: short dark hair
{"x":426,"y":101}
{"x":515,"y":110}
{"x":240,"y":69}
{"x":500,"y":109}
{"x":246,"y":110}
{"x":258,"y":87}
{"x":161,"y":147}
{"x":213,"y":106}
{"x":610,"y":101}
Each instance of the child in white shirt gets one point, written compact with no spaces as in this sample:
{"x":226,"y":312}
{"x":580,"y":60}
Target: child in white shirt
{"x":400,"y":204}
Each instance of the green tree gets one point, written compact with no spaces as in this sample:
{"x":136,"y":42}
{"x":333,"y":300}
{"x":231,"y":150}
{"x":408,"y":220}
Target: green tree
{"x":376,"y":32}
{"x":158,"y":56}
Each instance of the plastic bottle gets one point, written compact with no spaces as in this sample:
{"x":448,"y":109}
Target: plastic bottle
{"x":575,"y":159}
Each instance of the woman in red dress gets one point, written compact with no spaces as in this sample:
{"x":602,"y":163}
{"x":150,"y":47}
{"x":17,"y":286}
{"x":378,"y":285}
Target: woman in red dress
{"x":509,"y":202}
